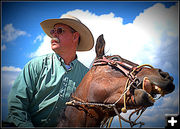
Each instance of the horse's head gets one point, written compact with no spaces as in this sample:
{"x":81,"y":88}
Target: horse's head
{"x":148,"y":83}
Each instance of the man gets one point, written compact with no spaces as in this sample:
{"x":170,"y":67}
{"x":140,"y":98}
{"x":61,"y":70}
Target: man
{"x":40,"y":91}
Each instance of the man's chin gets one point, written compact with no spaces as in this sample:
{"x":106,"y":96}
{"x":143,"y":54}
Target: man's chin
{"x":54,"y":48}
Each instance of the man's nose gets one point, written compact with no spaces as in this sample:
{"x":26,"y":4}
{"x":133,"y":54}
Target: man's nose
{"x":54,"y":34}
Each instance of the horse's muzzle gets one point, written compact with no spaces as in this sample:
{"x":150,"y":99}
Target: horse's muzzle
{"x":163,"y":83}
{"x":167,"y":84}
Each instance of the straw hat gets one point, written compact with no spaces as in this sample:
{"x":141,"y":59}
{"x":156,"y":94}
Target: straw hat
{"x":86,"y":37}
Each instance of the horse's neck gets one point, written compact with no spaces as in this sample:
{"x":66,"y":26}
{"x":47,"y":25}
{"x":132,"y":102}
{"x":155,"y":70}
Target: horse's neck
{"x":81,"y":116}
{"x":74,"y":117}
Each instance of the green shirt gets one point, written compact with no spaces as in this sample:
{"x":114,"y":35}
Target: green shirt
{"x":40,"y":91}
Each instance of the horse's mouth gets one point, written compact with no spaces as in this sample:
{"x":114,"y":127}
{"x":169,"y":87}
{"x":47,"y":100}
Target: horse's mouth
{"x":152,"y":89}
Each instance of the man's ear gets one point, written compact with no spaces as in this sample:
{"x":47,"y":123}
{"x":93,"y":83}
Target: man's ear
{"x":76,"y":36}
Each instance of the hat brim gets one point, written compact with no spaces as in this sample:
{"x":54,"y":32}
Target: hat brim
{"x":86,"y":37}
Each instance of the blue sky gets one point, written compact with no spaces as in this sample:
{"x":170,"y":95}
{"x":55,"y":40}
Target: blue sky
{"x":143,"y":32}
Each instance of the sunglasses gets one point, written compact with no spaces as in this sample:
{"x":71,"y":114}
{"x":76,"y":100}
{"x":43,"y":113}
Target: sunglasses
{"x":58,"y":30}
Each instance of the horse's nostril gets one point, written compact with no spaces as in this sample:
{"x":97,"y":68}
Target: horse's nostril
{"x":164,"y":74}
{"x":159,"y":70}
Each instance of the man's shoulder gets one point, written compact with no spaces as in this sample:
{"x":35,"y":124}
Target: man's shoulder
{"x":82,"y":66}
{"x":41,"y":59}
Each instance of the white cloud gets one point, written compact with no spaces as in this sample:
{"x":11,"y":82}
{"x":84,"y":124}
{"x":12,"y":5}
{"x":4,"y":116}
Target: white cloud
{"x":11,"y":69}
{"x":39,"y":38}
{"x":10,"y":33}
{"x":161,"y":26}
{"x":44,"y":48}
{"x":7,"y":79}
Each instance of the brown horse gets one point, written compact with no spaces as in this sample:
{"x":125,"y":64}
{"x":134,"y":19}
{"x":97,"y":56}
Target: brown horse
{"x":111,"y":86}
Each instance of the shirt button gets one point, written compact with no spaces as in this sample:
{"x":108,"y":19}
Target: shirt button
{"x":60,"y":95}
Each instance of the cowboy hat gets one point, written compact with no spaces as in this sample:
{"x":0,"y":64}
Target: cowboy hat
{"x":86,"y":38}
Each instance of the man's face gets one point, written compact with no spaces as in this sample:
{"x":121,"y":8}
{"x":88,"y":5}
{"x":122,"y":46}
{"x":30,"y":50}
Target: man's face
{"x":62,"y":40}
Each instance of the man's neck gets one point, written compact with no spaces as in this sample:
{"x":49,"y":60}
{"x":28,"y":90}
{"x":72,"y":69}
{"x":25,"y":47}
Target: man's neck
{"x":68,"y":57}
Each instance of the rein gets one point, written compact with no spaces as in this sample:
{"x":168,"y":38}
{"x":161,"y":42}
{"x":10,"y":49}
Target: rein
{"x":132,"y":81}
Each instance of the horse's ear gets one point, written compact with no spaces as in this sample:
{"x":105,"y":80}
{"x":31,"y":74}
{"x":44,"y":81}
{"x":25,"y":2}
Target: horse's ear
{"x":100,"y":44}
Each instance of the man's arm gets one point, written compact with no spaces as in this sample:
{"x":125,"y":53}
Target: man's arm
{"x":20,"y":97}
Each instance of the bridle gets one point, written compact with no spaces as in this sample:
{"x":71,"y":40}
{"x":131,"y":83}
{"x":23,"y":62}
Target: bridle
{"x":130,"y":71}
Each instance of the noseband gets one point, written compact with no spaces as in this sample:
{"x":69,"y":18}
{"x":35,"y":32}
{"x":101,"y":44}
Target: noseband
{"x":130,"y":71}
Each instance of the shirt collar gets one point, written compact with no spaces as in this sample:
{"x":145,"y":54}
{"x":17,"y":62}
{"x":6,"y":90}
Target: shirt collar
{"x":72,"y":64}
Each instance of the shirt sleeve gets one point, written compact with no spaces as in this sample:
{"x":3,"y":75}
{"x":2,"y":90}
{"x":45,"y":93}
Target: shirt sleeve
{"x":20,"y":97}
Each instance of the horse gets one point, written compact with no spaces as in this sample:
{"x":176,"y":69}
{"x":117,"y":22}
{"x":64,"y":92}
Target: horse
{"x":111,"y":86}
